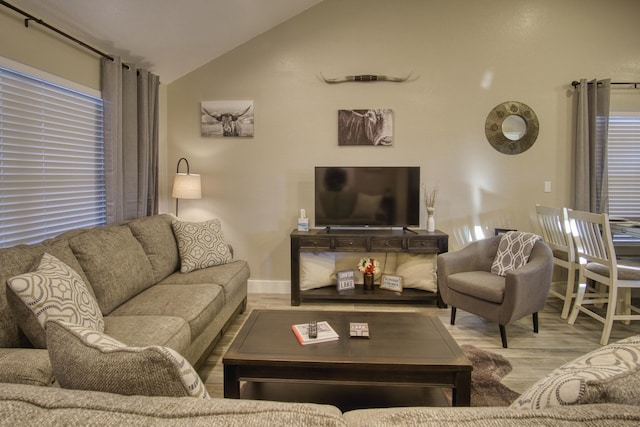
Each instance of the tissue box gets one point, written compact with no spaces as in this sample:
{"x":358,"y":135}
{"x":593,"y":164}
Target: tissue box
{"x":303,"y":224}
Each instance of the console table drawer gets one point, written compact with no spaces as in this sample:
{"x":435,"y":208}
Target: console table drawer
{"x":419,"y":245}
{"x":386,"y":244}
{"x":315,"y":242}
{"x":351,"y":243}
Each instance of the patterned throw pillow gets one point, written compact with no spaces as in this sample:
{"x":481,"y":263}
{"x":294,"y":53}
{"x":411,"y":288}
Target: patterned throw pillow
{"x":53,"y":291}
{"x":513,"y":251}
{"x":200,"y":244}
{"x":609,"y":374}
{"x":84,"y":359}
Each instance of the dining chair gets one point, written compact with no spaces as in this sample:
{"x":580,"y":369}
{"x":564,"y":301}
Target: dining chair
{"x":597,"y":262}
{"x":554,"y":224}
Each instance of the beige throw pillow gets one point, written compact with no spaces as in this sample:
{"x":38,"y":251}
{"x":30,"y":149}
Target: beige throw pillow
{"x":84,"y":359}
{"x":200,"y":244}
{"x":418,"y":271}
{"x":53,"y":291}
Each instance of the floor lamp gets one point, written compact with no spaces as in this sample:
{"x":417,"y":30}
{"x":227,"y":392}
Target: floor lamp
{"x":186,"y":185}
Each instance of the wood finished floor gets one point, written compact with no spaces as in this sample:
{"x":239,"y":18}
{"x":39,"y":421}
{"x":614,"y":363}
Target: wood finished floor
{"x":532,"y":355}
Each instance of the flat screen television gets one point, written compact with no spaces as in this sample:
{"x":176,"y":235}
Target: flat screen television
{"x":359,"y":196}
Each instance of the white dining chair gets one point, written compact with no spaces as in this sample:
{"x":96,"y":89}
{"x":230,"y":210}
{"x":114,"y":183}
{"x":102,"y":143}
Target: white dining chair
{"x":555,"y":230}
{"x":597,"y":262}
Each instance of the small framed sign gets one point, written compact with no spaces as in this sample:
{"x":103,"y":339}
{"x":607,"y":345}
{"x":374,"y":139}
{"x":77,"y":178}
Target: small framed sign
{"x":391,"y":283}
{"x":346,"y":280}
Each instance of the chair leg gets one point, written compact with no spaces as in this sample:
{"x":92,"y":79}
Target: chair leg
{"x":503,"y":335}
{"x":570,"y":292}
{"x":535,"y":322}
{"x":453,"y":315}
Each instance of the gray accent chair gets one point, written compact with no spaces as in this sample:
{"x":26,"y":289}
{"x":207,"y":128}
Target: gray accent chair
{"x":465,"y":281}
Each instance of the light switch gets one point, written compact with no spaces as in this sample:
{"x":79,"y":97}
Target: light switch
{"x":547,"y":186}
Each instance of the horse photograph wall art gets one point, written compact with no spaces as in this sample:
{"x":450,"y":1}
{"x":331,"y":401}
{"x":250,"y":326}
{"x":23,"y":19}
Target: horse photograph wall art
{"x":226,"y":118}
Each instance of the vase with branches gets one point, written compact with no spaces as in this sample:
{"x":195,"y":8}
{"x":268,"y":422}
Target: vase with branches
{"x":430,"y":196}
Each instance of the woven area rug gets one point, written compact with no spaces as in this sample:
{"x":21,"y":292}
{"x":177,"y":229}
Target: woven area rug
{"x":488,"y":370}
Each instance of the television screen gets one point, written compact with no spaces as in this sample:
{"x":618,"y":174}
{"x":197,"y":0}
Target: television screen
{"x":367,"y":196}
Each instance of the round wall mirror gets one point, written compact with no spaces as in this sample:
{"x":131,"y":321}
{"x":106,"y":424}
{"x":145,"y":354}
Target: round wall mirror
{"x":511,"y":127}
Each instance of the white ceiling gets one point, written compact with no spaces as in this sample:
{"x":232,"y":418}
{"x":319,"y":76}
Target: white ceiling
{"x":168,"y":37}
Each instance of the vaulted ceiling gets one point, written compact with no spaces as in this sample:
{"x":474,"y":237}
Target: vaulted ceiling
{"x":168,"y":37}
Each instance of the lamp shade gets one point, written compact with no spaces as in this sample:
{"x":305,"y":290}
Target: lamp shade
{"x":187,"y":186}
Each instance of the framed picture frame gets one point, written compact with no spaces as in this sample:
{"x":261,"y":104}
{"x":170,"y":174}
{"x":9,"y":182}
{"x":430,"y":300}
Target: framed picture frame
{"x":346,"y":280}
{"x":369,"y":127}
{"x":391,"y":283}
{"x":226,"y":118}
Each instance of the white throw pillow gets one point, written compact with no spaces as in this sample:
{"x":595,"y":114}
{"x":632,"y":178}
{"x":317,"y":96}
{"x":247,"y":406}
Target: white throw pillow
{"x":418,"y":271}
{"x":54,"y":291}
{"x":317,"y":269}
{"x":200,"y":244}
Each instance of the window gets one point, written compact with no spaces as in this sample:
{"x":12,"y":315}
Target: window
{"x":624,"y":165}
{"x":51,"y":159}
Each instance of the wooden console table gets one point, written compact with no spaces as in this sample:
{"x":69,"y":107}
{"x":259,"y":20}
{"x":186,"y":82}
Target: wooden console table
{"x":321,"y":240}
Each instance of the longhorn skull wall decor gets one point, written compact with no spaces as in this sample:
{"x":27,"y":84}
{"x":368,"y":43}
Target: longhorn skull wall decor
{"x":365,"y":78}
{"x":226,"y":118}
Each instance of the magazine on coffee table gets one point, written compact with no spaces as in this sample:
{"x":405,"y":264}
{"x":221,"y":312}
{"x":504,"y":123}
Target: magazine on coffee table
{"x":325,"y":333}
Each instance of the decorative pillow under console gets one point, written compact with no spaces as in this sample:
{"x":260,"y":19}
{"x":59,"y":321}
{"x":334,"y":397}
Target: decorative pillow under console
{"x":513,"y":251}
{"x":84,"y":359}
{"x":200,"y":244}
{"x":52,"y":291}
{"x":418,"y":271}
{"x":609,"y":374}
{"x":317,"y":270}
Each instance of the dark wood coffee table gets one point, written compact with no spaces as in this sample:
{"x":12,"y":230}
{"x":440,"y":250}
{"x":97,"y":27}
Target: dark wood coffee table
{"x":406,"y":350}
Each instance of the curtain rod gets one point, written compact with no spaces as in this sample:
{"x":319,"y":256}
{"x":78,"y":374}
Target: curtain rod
{"x":576,"y":83}
{"x":30,"y":17}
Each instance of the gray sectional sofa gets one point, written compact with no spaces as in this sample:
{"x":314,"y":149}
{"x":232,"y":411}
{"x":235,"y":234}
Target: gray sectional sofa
{"x":133,"y":271}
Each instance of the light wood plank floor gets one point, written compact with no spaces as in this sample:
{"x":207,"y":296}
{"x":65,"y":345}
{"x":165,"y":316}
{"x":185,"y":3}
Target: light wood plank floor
{"x":532,"y":355}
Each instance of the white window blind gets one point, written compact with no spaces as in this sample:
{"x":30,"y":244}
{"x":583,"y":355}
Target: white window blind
{"x":51,"y":159}
{"x":624,"y":165}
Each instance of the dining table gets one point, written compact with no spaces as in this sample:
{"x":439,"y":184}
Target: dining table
{"x":623,"y":226}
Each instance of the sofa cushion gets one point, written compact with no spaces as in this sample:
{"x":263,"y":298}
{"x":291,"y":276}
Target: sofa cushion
{"x":200,"y":244}
{"x":418,"y":271}
{"x":609,"y":374}
{"x":21,"y":259}
{"x":115,"y":263}
{"x":52,"y":291}
{"x":25,"y":366}
{"x":155,"y":234}
{"x":88,"y":360}
{"x":143,"y":331}
{"x":513,"y":251}
{"x":197,"y":304}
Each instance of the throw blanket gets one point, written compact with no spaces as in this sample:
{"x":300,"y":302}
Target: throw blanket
{"x":513,"y":251}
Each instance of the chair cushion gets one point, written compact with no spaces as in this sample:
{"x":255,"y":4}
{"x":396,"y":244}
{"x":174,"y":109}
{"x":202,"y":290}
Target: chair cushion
{"x":52,"y":291}
{"x":84,"y":359}
{"x":200,"y":244}
{"x":609,"y":374}
{"x":513,"y":251}
{"x":627,"y":269}
{"x":479,"y":284}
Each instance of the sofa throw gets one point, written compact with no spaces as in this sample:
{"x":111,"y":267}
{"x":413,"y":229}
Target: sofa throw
{"x":609,"y":374}
{"x":200,"y":244}
{"x":84,"y":359}
{"x":513,"y":251}
{"x":52,"y":291}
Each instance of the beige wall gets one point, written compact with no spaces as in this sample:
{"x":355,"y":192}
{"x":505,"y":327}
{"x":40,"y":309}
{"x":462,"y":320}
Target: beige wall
{"x":466,"y":57}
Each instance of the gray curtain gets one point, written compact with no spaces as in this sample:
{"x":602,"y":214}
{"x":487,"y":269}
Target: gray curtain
{"x":591,"y":191}
{"x":131,"y":140}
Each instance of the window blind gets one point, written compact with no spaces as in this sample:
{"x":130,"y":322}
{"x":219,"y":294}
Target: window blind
{"x":51,"y":159}
{"x":624,"y":165}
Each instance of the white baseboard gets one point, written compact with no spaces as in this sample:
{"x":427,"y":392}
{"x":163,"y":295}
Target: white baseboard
{"x":269,"y":287}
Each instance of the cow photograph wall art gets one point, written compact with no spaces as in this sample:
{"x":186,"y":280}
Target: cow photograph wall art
{"x":226,"y":118}
{"x":365,"y":127}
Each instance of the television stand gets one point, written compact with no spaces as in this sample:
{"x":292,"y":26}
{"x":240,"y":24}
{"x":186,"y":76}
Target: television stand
{"x":348,"y":240}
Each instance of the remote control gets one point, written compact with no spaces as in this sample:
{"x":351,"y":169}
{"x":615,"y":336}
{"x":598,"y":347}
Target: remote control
{"x":313,"y":329}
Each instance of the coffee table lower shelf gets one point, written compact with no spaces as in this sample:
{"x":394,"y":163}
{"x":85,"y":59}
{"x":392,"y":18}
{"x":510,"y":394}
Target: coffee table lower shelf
{"x":345,"y":397}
